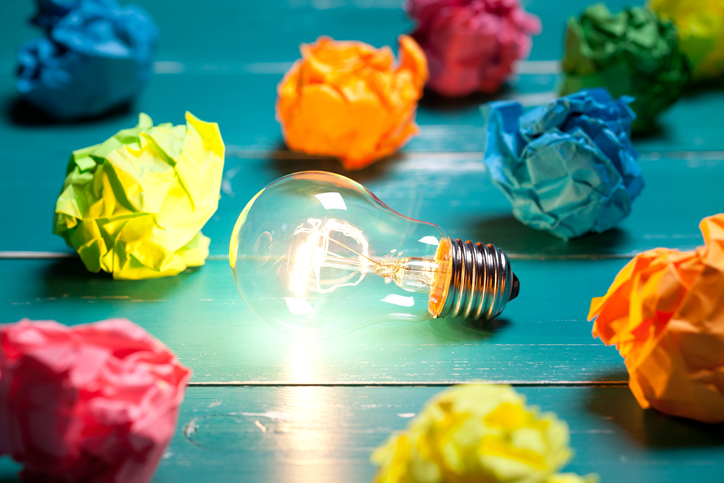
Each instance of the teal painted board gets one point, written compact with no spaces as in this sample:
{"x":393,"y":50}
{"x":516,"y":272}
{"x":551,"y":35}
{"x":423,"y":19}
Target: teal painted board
{"x":326,"y":434}
{"x":451,"y":190}
{"x":543,"y":335}
{"x":230,"y":76}
{"x":321,"y":434}
{"x":228,"y":86}
{"x":456,"y":193}
{"x":693,"y":123}
{"x":271,"y":31}
{"x":16,"y":28}
{"x":243,"y":105}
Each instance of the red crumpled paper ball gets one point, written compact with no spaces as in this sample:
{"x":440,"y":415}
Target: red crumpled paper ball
{"x":95,"y":402}
{"x":471,"y":45}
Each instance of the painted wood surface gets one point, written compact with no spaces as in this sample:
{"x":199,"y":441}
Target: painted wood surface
{"x":452,"y":190}
{"x":247,"y":119}
{"x":246,"y":59}
{"x":233,"y":31}
{"x":326,"y":434}
{"x":543,"y":335}
{"x":317,"y":418}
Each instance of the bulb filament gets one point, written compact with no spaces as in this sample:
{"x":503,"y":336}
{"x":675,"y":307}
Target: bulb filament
{"x":320,"y":262}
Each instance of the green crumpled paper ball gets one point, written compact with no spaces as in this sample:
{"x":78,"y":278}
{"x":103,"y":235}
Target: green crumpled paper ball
{"x":631,"y":53}
{"x":134,"y":205}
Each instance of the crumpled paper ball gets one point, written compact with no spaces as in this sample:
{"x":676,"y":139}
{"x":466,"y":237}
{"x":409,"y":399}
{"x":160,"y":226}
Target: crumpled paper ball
{"x":96,"y":56}
{"x":96,"y":402}
{"x":665,"y":314}
{"x":700,"y":26}
{"x":49,"y":12}
{"x":478,"y":432}
{"x":568,"y":167}
{"x":349,"y":100}
{"x":472,"y":45}
{"x":631,"y":53}
{"x":134,"y":205}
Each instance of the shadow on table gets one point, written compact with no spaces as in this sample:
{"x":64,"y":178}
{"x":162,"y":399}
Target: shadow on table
{"x":22,"y":113}
{"x":457,"y":330}
{"x":284,"y":162}
{"x":436,"y":102}
{"x":702,"y":88}
{"x":656,"y":131}
{"x":649,"y":427}
{"x":69,"y":277}
{"x":514,"y":237}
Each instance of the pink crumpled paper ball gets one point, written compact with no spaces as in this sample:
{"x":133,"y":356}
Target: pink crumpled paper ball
{"x":95,"y":402}
{"x":471,"y":45}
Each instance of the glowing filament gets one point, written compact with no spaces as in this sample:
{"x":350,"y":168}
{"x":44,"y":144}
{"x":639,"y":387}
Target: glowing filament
{"x":319,"y":248}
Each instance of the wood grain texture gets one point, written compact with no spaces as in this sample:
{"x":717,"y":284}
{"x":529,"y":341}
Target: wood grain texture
{"x":449,"y":189}
{"x":244,"y":59}
{"x":542,"y":336}
{"x":321,"y":434}
{"x":222,"y":61}
{"x":236,"y":31}
{"x":246,"y":115}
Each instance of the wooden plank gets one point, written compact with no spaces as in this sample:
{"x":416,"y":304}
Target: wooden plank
{"x":452,"y":190}
{"x":249,"y":32}
{"x":235,"y":86}
{"x":692,"y":124}
{"x":243,"y":102}
{"x":542,"y":336}
{"x":301,"y":434}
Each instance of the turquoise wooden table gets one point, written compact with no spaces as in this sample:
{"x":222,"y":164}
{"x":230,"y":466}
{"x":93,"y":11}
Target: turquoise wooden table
{"x":325,"y":405}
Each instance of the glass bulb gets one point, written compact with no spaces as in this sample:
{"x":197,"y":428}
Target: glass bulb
{"x":318,"y":253}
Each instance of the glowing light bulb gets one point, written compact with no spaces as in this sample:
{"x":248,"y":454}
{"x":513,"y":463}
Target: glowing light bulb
{"x":318,"y":253}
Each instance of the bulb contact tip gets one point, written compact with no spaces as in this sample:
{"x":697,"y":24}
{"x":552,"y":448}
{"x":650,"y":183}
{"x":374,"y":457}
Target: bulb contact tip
{"x":515,"y":288}
{"x":482,"y":281}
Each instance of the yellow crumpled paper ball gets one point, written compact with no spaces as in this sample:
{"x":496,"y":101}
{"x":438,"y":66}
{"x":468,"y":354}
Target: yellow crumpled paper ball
{"x":479,"y":432}
{"x":350,"y":100}
{"x":700,"y":25}
{"x":134,"y":205}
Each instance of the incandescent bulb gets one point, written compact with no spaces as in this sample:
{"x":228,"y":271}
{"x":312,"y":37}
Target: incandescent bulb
{"x":318,"y":253}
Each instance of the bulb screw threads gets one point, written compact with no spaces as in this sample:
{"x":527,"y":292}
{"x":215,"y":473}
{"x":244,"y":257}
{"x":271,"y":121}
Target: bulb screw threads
{"x":482,"y":281}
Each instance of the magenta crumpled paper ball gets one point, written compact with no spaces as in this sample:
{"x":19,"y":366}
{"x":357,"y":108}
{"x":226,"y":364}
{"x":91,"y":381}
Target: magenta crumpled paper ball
{"x":471,"y":45}
{"x":96,"y":402}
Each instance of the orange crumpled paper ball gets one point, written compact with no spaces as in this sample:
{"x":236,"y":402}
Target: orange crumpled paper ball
{"x":665,"y":313}
{"x":350,"y":100}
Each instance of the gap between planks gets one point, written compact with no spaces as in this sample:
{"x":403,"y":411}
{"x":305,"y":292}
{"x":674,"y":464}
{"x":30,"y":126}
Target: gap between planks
{"x":27,"y":255}
{"x":514,"y":383}
{"x":169,"y":67}
{"x":241,"y":152}
{"x":413,"y":160}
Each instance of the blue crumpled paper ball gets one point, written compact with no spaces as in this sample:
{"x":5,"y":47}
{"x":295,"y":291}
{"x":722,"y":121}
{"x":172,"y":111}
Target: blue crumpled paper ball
{"x":51,"y":11}
{"x":96,"y":55}
{"x":568,"y":167}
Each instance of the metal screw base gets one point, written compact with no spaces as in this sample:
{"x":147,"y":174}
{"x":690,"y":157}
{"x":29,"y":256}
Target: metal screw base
{"x":482,"y":282}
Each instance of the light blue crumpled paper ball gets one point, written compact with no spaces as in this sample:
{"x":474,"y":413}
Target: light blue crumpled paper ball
{"x":569,"y":167}
{"x":96,"y":55}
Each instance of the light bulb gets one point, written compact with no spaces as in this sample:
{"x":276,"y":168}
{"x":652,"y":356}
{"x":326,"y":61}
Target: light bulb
{"x":318,"y":253}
